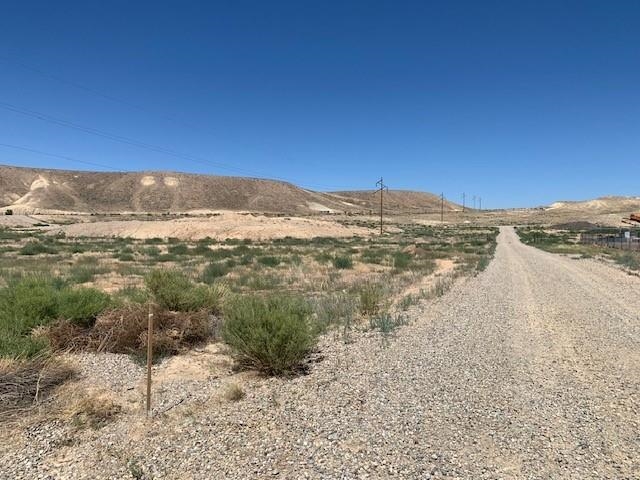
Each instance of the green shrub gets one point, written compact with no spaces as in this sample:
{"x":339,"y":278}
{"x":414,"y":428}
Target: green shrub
{"x":371,"y":295}
{"x":151,"y":251}
{"x":178,"y":249}
{"x":342,"y":262}
{"x":387,"y":323}
{"x":83,"y":273}
{"x":172,"y":290}
{"x":629,"y":260}
{"x":131,"y":295}
{"x":272,"y":335}
{"x":33,"y":301}
{"x":269,"y":261}
{"x":126,"y":257}
{"x":35,"y":248}
{"x":401,"y":260}
{"x":335,"y":309}
{"x":82,"y":305}
{"x":213,"y":271}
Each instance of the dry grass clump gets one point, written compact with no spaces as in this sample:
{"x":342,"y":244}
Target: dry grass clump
{"x":88,"y":409}
{"x":124,"y":330}
{"x":25,"y":382}
{"x":234,"y":393}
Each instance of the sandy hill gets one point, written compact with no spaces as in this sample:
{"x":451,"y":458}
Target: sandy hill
{"x":599,"y":205}
{"x":31,"y":190}
{"x":394,"y":200}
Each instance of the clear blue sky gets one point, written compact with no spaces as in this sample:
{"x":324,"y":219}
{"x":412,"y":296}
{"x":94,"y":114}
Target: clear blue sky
{"x":522,"y":103}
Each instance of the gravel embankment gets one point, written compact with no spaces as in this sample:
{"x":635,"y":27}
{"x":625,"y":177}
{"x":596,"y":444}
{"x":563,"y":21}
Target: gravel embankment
{"x":530,"y":370}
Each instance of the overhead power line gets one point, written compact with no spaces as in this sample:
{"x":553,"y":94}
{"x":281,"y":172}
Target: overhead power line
{"x":127,"y":103}
{"x":63,"y":157}
{"x":147,"y":146}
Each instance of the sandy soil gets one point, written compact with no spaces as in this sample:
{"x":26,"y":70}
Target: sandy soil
{"x":227,"y":225}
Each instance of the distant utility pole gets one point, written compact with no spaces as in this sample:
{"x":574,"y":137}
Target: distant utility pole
{"x":381,"y":189}
{"x":480,"y":200}
{"x":474,"y":202}
{"x":442,"y":207}
{"x":464,"y":198}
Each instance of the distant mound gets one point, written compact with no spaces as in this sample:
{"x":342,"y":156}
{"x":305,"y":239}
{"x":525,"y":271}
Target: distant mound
{"x":31,"y":190}
{"x":599,"y":205}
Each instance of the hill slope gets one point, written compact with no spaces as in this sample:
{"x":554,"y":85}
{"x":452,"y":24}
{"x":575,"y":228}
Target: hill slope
{"x":599,"y":205}
{"x":29,"y":190}
{"x":395,"y":200}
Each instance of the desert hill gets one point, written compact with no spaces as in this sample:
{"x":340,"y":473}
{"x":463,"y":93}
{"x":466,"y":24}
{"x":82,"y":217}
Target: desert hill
{"x":395,"y":200}
{"x":31,"y":190}
{"x":610,"y":204}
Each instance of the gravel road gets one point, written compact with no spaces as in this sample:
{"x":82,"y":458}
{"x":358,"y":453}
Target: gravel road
{"x":529,"y":370}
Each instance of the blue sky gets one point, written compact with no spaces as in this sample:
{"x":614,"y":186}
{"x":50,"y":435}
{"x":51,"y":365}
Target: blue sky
{"x":522,"y":103}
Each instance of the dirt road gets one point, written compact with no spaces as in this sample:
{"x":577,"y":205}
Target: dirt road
{"x":529,"y":370}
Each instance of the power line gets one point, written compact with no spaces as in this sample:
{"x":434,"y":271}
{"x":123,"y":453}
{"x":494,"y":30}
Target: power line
{"x":143,"y":145}
{"x":136,"y":106}
{"x":63,"y":157}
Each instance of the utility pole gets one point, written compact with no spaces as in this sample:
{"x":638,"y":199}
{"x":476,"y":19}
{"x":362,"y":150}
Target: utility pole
{"x":474,"y":202}
{"x":382,"y":188}
{"x":442,"y":207}
{"x":480,"y":200}
{"x":464,"y":197}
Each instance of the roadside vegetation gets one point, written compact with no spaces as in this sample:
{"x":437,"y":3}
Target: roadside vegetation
{"x":569,"y":242}
{"x":268,"y":300}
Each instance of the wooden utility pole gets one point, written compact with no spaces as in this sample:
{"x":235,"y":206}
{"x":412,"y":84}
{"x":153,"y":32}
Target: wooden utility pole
{"x":381,"y":189}
{"x":442,"y":207}
{"x":149,"y":358}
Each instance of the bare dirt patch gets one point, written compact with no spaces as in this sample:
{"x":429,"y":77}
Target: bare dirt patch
{"x":220,"y":227}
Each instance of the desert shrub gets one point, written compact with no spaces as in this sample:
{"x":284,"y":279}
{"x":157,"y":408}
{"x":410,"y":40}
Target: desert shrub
{"x":83,"y":273}
{"x":270,"y":334}
{"x":401,"y":260}
{"x":335,"y":309}
{"x":151,"y":251}
{"x":342,"y":262}
{"x":153,"y":241}
{"x":173,"y":290}
{"x":82,"y":305}
{"x":483,"y":262}
{"x":131,"y":295}
{"x":373,"y":255}
{"x":629,"y":260}
{"x":386,"y":322}
{"x":35,"y":248}
{"x":178,"y":249}
{"x":126,"y":257}
{"x":28,"y":302}
{"x":24,"y":382}
{"x":213,"y":271}
{"x":407,"y":302}
{"x":371,"y":295}
{"x":323,"y":257}
{"x":201,"y":249}
{"x":124,"y":330}
{"x":269,"y":261}
{"x":167,"y":257}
